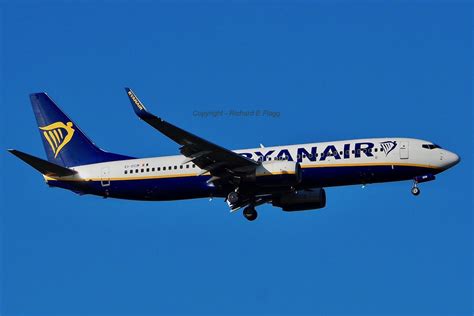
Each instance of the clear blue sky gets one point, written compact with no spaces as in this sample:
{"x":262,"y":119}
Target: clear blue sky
{"x":333,"y":71}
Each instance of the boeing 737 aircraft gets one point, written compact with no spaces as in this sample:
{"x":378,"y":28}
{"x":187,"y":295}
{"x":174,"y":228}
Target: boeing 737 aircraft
{"x":290,"y":177}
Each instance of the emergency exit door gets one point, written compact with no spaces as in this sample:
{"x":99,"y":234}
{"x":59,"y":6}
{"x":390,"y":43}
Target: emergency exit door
{"x":105,"y":177}
{"x":403,"y":150}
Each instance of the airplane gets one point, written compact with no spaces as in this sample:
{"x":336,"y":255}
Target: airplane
{"x":291,"y":177}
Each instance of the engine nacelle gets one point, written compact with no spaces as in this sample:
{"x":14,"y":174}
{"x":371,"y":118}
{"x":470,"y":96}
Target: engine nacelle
{"x":301,"y":200}
{"x":278,"y":173}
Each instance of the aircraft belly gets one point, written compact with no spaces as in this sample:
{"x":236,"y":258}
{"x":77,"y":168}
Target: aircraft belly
{"x":162,"y":189}
{"x":348,"y":175}
{"x":158,"y":189}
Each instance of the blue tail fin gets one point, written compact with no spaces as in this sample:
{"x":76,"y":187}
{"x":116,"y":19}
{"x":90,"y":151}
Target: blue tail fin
{"x":64,"y":142}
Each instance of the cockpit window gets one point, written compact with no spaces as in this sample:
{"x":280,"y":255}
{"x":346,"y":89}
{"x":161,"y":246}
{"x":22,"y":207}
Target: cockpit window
{"x":430,"y":146}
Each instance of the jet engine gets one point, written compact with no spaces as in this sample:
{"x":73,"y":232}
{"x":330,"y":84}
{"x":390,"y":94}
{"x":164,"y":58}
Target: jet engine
{"x":301,"y":200}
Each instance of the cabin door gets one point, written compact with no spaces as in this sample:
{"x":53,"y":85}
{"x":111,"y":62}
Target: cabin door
{"x":403,"y":150}
{"x":105,"y":177}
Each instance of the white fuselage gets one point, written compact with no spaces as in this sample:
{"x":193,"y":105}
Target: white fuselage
{"x":323,"y":164}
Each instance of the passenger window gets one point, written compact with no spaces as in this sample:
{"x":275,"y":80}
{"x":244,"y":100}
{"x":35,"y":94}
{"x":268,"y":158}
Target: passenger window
{"x":181,"y":167}
{"x":136,"y":170}
{"x":143,"y":170}
{"x":175,"y":167}
{"x":125,"y":171}
{"x":147,"y":169}
{"x":187,"y":166}
{"x":152,"y":169}
{"x":169,"y":167}
{"x":194,"y":166}
{"x":375,"y":149}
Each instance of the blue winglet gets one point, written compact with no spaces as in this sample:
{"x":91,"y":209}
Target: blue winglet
{"x":137,"y":105}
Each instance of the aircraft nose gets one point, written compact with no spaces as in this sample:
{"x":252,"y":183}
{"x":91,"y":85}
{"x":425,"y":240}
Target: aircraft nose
{"x":451,"y":159}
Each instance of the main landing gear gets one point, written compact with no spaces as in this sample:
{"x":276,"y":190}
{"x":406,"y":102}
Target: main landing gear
{"x":250,"y":213}
{"x":234,"y":198}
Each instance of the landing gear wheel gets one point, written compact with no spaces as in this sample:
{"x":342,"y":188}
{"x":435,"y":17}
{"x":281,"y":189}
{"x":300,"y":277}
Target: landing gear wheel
{"x":250,"y":213}
{"x":415,"y":191}
{"x":233,"y":197}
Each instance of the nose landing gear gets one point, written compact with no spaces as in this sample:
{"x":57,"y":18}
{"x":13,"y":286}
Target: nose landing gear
{"x":415,"y":190}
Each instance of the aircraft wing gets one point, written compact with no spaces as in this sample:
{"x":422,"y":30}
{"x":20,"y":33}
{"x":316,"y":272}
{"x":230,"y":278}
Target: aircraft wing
{"x":219,"y":161}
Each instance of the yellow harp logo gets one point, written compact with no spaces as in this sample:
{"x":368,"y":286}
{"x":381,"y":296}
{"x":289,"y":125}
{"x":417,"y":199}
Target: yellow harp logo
{"x":58,"y":135}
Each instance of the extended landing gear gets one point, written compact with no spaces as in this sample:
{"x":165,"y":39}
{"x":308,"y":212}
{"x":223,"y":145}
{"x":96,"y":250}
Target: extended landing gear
{"x":415,"y":190}
{"x":233,"y":197}
{"x":250,"y":213}
{"x":235,"y":201}
{"x":420,"y":179}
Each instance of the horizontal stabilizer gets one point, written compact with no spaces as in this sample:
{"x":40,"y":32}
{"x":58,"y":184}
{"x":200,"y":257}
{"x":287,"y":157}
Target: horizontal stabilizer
{"x":45,"y":167}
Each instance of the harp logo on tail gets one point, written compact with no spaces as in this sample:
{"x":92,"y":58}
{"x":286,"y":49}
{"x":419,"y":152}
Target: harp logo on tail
{"x":58,"y":135}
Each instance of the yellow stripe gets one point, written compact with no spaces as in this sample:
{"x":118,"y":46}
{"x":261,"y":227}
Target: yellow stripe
{"x":57,"y":136}
{"x":49,"y":140}
{"x":60,"y":131}
{"x":276,"y":173}
{"x":149,"y":178}
{"x":51,"y":135}
{"x":303,"y":166}
{"x":132,"y":178}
